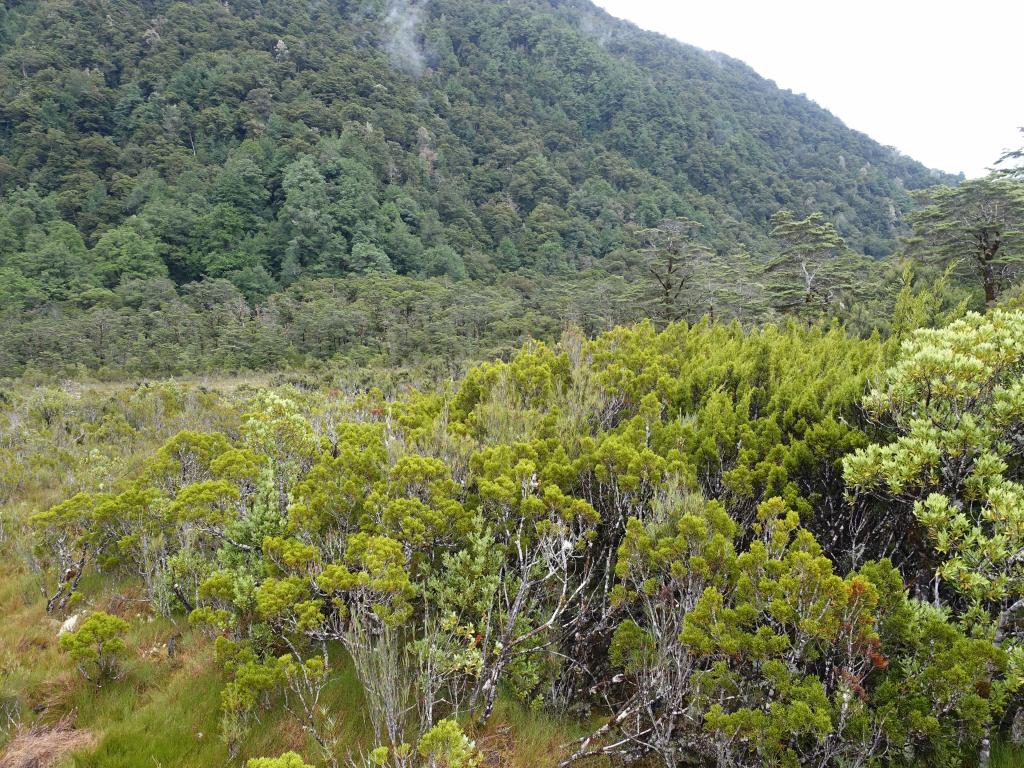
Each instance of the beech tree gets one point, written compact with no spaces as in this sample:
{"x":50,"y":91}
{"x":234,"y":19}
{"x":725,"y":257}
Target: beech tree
{"x":69,"y":539}
{"x":978,"y":226}
{"x":672,"y":256}
{"x":812,"y":268}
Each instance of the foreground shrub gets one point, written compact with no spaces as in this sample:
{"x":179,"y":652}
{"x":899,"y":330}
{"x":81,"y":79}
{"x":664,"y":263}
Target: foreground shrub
{"x":97,"y":647}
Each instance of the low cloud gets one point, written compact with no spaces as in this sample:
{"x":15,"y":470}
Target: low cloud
{"x":401,"y":32}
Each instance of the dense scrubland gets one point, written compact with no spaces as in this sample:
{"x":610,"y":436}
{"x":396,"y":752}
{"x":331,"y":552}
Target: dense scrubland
{"x":706,"y":544}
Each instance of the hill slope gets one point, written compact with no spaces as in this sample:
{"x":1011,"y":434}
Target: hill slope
{"x":262,"y":141}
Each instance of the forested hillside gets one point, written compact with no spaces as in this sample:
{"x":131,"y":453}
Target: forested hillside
{"x":149,"y":146}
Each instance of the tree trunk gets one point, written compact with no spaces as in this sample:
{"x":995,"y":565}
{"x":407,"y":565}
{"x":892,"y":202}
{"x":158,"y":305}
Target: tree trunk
{"x":990,"y":288}
{"x":988,"y":275}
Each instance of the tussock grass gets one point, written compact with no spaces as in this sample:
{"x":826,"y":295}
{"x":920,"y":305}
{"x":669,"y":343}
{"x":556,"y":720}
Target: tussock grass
{"x":158,"y":717}
{"x":519,"y":737}
{"x":1005,"y":755}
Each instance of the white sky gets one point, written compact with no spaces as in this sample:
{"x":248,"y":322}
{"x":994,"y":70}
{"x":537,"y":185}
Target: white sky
{"x":942,"y":81}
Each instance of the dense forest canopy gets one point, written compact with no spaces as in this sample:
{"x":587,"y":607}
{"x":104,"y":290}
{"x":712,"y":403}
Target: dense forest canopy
{"x":265,"y":144}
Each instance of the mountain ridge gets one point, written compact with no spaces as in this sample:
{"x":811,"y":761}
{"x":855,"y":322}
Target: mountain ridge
{"x":714,"y":54}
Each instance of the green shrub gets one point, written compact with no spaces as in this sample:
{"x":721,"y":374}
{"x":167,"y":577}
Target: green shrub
{"x":97,"y":647}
